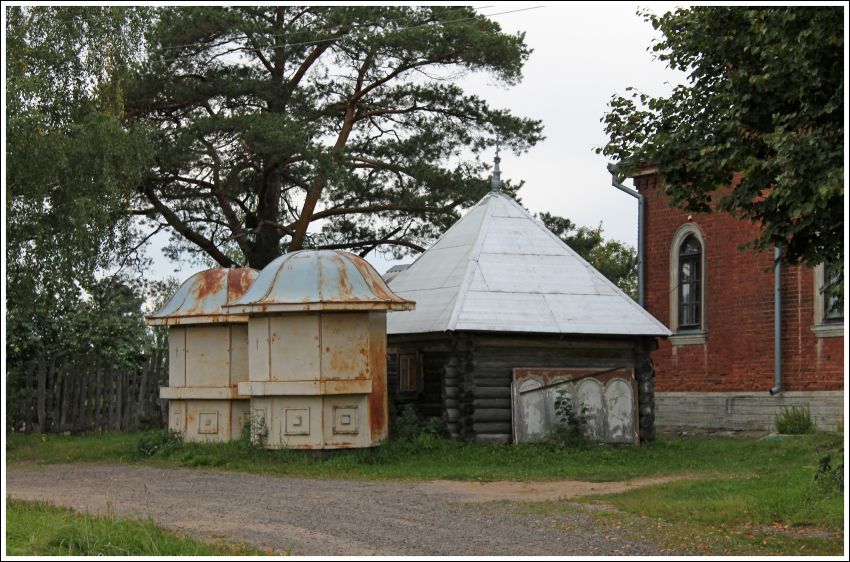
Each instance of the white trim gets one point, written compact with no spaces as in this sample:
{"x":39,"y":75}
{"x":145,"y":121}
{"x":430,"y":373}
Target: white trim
{"x":686,"y":337}
{"x":820,"y":328}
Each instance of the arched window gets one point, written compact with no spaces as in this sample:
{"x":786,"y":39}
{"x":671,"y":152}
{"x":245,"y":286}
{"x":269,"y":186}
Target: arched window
{"x":687,"y":286}
{"x":690,"y":284}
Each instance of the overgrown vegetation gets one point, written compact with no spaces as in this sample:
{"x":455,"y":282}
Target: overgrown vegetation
{"x":571,"y":431}
{"x":830,"y":472}
{"x":39,"y":529}
{"x":795,"y":420}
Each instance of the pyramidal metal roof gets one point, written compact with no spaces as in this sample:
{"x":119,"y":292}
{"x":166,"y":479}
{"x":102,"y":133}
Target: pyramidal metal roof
{"x":498,"y":269}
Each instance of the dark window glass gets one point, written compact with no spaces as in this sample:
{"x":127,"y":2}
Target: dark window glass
{"x":690,"y":286}
{"x":833,"y":304}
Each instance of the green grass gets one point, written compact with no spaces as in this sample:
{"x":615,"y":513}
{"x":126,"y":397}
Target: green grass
{"x":39,"y":529}
{"x":431,"y":458}
{"x":740,"y":496}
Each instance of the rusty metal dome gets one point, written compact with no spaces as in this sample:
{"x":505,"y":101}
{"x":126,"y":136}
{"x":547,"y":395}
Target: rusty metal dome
{"x":201,"y":298}
{"x":319,"y":280}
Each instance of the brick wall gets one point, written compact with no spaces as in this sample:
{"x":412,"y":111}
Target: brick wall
{"x":739,"y":318}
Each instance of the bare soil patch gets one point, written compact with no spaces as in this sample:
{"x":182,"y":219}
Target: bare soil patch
{"x":335,"y":517}
{"x":535,"y":491}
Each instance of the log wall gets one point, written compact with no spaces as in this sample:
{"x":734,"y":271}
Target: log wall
{"x":475,"y":373}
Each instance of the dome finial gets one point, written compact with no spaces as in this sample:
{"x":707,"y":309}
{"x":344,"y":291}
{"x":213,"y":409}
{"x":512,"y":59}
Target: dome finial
{"x":496,"y":179}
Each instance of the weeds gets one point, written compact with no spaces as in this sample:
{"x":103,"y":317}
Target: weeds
{"x":829,"y":476}
{"x":159,"y":442}
{"x":795,"y":420}
{"x":571,"y":431}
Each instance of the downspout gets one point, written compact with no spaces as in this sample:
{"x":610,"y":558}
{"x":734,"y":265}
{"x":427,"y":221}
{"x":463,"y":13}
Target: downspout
{"x":777,"y":322}
{"x":614,"y":169}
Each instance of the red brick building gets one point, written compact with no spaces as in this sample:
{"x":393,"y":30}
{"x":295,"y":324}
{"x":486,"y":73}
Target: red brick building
{"x":718,"y":368}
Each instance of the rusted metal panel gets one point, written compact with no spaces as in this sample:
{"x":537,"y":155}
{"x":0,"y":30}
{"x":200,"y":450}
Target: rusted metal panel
{"x":208,"y":355}
{"x":340,"y":433}
{"x":258,"y":348}
{"x":297,"y":423}
{"x":304,"y":388}
{"x":201,"y":298}
{"x":317,"y":351}
{"x":345,"y":346}
{"x":176,"y":356}
{"x":177,"y":416}
{"x":608,"y":395}
{"x":318,"y":280}
{"x":208,"y":421}
{"x":295,"y":352}
{"x":240,"y":416}
{"x":197,"y":393}
{"x":378,"y":398}
{"x":238,"y":353}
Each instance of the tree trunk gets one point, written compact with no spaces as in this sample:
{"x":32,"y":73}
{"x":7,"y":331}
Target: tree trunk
{"x":42,"y":397}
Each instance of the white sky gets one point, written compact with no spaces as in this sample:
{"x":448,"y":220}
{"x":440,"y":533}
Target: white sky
{"x":582,"y":54}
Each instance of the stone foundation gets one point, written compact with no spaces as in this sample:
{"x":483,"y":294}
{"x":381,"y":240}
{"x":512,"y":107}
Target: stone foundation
{"x":744,"y":411}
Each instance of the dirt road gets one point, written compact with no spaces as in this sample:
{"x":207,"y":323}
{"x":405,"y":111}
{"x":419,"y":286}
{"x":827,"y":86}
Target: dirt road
{"x":332,"y":517}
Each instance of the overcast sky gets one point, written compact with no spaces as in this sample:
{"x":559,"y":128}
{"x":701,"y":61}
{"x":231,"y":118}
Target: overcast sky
{"x":583,"y":53}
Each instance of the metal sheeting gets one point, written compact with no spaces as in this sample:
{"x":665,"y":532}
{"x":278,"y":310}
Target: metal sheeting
{"x":499,"y":269}
{"x":201,"y":298}
{"x":319,"y":280}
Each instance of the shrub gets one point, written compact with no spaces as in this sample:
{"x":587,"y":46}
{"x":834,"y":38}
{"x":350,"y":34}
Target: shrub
{"x":571,"y":429}
{"x":831,"y":476}
{"x":406,"y":426}
{"x":795,"y":420}
{"x":161,"y":441}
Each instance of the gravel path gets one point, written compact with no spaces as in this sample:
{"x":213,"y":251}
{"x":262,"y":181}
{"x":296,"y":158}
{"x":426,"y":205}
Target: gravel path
{"x":327,"y":517}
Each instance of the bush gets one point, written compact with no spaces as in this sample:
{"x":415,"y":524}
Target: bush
{"x":795,"y":420}
{"x":406,"y":426}
{"x":571,"y":430}
{"x":162,"y":441}
{"x":829,"y":476}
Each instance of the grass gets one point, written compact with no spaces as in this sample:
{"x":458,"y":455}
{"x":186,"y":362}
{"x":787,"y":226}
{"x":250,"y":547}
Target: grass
{"x":434,"y":458}
{"x":36,"y":528}
{"x":744,"y":496}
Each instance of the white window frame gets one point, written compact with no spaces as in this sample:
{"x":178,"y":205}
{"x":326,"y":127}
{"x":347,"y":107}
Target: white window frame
{"x":821,"y":327}
{"x":690,"y":336}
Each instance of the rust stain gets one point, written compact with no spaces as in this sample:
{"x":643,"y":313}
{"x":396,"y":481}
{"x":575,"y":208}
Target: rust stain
{"x":208,"y":283}
{"x":378,"y":404}
{"x":239,"y":280}
{"x":346,"y":292}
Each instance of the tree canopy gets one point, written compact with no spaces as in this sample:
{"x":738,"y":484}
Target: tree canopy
{"x":280,"y":128}
{"x":69,"y":157}
{"x":763,"y":106}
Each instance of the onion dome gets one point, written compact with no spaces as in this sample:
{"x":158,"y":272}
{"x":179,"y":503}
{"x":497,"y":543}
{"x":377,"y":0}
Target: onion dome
{"x":319,"y":280}
{"x":202,"y":297}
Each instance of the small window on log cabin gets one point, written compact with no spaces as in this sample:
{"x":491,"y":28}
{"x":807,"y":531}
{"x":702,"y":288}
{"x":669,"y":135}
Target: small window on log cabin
{"x":407,"y":372}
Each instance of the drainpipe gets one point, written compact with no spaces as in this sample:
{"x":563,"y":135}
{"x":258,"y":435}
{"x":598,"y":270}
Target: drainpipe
{"x":777,"y":322}
{"x":614,"y":169}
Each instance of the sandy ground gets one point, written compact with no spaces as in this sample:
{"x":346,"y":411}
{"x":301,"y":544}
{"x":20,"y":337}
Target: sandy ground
{"x":334,"y":517}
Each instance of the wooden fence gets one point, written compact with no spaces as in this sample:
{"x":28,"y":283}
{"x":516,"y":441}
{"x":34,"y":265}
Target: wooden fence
{"x":58,"y":396}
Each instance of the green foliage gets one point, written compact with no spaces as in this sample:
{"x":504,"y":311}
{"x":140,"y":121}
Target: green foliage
{"x":71,"y":163}
{"x":80,"y":332}
{"x":40,"y":529}
{"x":762,"y":112}
{"x":571,"y":429}
{"x":613,"y":259}
{"x":253,"y":108}
{"x":795,"y":420}
{"x":830,"y":472}
{"x":162,"y":442}
{"x":406,"y":426}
